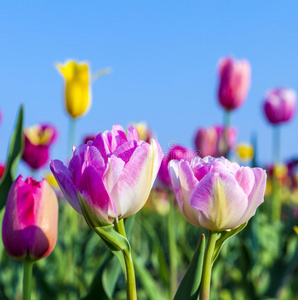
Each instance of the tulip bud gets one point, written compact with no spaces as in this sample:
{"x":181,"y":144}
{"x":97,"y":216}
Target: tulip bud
{"x":176,"y":152}
{"x":38,"y":139}
{"x":216,"y":194}
{"x":234,"y":82}
{"x":280,"y":105}
{"x":29,"y":229}
{"x":77,"y":87}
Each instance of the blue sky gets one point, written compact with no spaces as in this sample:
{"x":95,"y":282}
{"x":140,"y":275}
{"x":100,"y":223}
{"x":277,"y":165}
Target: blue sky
{"x":164,"y":57}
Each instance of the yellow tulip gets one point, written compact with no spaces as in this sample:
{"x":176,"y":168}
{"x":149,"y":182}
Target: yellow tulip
{"x":245,"y":151}
{"x":77,"y":87}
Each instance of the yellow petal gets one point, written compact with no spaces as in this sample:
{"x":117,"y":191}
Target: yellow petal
{"x":245,"y":151}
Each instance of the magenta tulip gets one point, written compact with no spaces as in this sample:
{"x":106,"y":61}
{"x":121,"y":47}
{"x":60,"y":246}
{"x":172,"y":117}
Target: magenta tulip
{"x":216,"y":194}
{"x":114,"y":174}
{"x":280,"y":105}
{"x":38,"y":140}
{"x":176,"y":152}
{"x":234,"y":82}
{"x":209,"y":141}
{"x":29,"y":229}
{"x":2,"y":169}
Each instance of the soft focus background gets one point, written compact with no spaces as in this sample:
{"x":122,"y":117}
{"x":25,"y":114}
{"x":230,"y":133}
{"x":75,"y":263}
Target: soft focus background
{"x":164,"y":58}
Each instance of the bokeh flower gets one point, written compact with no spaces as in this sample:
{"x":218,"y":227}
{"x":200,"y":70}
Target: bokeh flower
{"x":216,"y":194}
{"x":77,"y":87}
{"x":114,"y":174}
{"x":176,"y":152}
{"x":244,"y":151}
{"x":234,"y":82}
{"x":29,"y":229}
{"x":38,"y":140}
{"x":280,"y":105}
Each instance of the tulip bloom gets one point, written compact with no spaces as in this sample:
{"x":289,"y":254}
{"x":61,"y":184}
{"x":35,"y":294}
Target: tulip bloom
{"x":280,"y":105}
{"x":176,"y":152}
{"x":245,"y":151}
{"x":2,"y":169}
{"x":216,"y":194}
{"x":77,"y":87}
{"x":234,"y":82}
{"x":29,"y":229}
{"x":38,"y":140}
{"x":209,"y":141}
{"x":114,"y":174}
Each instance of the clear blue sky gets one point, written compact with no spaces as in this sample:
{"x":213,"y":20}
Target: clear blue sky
{"x":164,"y":57}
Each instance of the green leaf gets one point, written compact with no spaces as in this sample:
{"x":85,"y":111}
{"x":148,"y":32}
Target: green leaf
{"x":222,"y":237}
{"x":110,"y":276}
{"x":189,"y":286}
{"x":15,"y":153}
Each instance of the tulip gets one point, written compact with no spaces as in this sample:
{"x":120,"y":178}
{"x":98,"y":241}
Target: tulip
{"x":38,"y":140}
{"x":114,"y":174}
{"x":245,"y":151}
{"x":216,"y":194}
{"x":280,"y":105}
{"x":77,"y":87}
{"x":176,"y":152}
{"x":2,"y":169}
{"x":234,"y":82}
{"x":30,"y":222}
{"x":145,"y":133}
{"x":209,"y":141}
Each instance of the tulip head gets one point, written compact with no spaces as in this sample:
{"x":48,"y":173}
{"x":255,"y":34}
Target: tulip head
{"x":38,"y":140}
{"x":30,"y":222}
{"x":245,"y":151}
{"x":110,"y":177}
{"x":234,"y":82}
{"x":210,"y":141}
{"x":280,"y":105}
{"x":176,"y":152}
{"x":216,"y":194}
{"x":77,"y":87}
{"x":2,"y":169}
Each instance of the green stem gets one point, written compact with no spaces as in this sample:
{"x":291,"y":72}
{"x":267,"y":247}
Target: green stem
{"x":172,"y":248}
{"x":27,"y":279}
{"x":206,"y":275}
{"x":71,"y":135}
{"x":131,"y":290}
{"x":227,"y":121}
{"x":276,"y":144}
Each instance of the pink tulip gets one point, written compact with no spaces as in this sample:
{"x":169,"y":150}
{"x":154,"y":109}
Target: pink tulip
{"x":176,"y":152}
{"x":234,"y":82}
{"x":210,"y":141}
{"x":2,"y":169}
{"x":38,"y":140}
{"x":29,"y":229}
{"x":216,"y":194}
{"x":280,"y":105}
{"x":114,"y":174}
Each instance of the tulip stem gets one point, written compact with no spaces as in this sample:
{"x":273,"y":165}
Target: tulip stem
{"x":27,"y":279}
{"x":227,"y":121}
{"x":131,"y":290}
{"x":207,"y":267}
{"x":172,"y":248}
{"x":71,"y":135}
{"x":276,"y":144}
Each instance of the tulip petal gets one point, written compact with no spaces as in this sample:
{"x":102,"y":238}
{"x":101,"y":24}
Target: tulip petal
{"x":126,"y":150}
{"x":220,"y":201}
{"x":256,"y":197}
{"x":245,"y":178}
{"x":65,"y":181}
{"x":138,"y":177}
{"x":94,"y":158}
{"x":132,"y":134}
{"x":174,"y":175}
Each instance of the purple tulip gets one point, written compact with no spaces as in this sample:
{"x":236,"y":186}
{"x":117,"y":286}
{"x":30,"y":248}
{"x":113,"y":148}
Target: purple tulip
{"x":114,"y":174}
{"x":210,"y":141}
{"x":234,"y":82}
{"x":280,"y":105}
{"x":216,"y":194}
{"x":38,"y":140}
{"x":176,"y":152}
{"x":29,"y":229}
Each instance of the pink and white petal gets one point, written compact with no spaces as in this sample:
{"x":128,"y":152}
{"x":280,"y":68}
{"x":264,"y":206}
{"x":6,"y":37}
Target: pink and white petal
{"x":118,"y":137}
{"x":138,"y":177}
{"x":101,"y":146}
{"x":246,"y":179}
{"x":65,"y":181}
{"x":188,"y":183}
{"x":93,"y":157}
{"x":256,"y":197}
{"x":96,"y":189}
{"x":220,"y":201}
{"x":175,"y":181}
{"x":132,"y":134}
{"x":126,"y":150}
